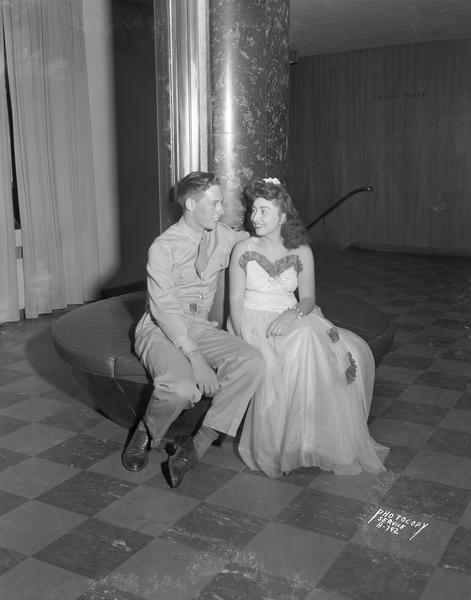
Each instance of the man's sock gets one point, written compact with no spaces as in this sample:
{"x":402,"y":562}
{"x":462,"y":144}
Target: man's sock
{"x":203,"y":439}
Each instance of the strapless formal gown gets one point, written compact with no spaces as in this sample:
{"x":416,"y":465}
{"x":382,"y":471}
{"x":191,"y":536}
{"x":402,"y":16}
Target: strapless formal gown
{"x":312,"y":406}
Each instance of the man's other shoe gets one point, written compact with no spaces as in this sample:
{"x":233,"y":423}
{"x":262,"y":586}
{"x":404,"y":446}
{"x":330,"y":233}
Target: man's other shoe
{"x":181,"y":461}
{"x":136,"y":454}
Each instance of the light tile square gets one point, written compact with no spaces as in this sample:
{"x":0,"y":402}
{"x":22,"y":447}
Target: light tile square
{"x":301,"y":556}
{"x":259,"y":496}
{"x":399,"y":374}
{"x":33,"y":409}
{"x":19,"y":530}
{"x":394,"y":432}
{"x":35,"y":580}
{"x":165,"y":569}
{"x":146,"y":509}
{"x":34,"y":476}
{"x":425,"y":394}
{"x":441,"y":468}
{"x":34,"y":438}
{"x":449,"y":584}
{"x":366,"y":487}
{"x":458,"y":419}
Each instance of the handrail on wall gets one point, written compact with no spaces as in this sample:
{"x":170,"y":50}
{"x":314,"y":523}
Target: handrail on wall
{"x":338,"y":203}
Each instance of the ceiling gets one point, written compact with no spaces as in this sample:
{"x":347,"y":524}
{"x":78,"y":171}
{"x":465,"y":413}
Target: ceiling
{"x":327,"y":26}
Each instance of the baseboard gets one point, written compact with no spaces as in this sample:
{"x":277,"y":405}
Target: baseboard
{"x":428,"y":251}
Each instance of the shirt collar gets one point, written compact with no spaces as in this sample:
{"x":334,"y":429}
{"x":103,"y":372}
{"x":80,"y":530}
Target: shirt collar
{"x":194,"y":235}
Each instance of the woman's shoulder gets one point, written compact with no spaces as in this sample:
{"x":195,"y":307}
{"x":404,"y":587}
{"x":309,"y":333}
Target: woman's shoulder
{"x":247,"y":245}
{"x":303,"y":251}
{"x":242,"y":252}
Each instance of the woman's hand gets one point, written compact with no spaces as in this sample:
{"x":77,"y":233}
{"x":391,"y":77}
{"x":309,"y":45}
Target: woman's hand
{"x":283,"y":323}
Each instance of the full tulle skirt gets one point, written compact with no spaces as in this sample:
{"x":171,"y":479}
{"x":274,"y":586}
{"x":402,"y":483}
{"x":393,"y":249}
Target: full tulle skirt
{"x":306,"y":412}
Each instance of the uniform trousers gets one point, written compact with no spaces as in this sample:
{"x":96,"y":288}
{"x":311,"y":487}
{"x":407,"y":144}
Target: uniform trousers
{"x":238,"y":366}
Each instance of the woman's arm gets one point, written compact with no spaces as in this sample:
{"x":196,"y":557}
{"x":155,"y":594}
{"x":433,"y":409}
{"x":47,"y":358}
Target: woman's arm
{"x":306,"y":281}
{"x":306,"y":291}
{"x":236,"y":287}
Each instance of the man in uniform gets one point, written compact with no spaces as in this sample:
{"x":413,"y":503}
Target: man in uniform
{"x":187,"y":355}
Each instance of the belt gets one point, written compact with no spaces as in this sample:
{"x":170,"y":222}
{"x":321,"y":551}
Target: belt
{"x":196,"y":309}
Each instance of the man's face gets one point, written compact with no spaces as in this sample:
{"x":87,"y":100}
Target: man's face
{"x":208,"y":209}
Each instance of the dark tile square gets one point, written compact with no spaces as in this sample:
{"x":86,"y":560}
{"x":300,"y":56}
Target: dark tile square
{"x":325,"y":513}
{"x":10,"y":501}
{"x":389,"y":389}
{"x":464,"y":401}
{"x":457,"y":554}
{"x":73,"y":419}
{"x":464,"y":307}
{"x":413,"y":412}
{"x":399,"y":458}
{"x":302,"y":476}
{"x":10,"y":424}
{"x":80,"y":451}
{"x":8,"y":376}
{"x":94,"y":548}
{"x":99,"y":591}
{"x":408,"y":327}
{"x":449,"y":324}
{"x":242,"y":583}
{"x":427,"y":497}
{"x":432,"y":341}
{"x":457,"y":354}
{"x":9,"y":398}
{"x":443,"y":380}
{"x":8,"y":560}
{"x":86,"y":493}
{"x":449,"y":441}
{"x":361,"y":573}
{"x":10,"y":458}
{"x":426,"y":310}
{"x":409,"y":361}
{"x":7,"y":357}
{"x":442,"y":297}
{"x":200,"y":482}
{"x":399,"y":302}
{"x":214,"y":528}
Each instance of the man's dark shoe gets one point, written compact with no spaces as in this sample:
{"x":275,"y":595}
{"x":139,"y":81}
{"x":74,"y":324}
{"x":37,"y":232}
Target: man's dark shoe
{"x":181,"y":461}
{"x":136,"y":454}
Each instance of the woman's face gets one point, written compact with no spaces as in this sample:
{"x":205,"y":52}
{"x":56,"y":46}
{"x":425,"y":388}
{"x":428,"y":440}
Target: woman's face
{"x":266,"y":217}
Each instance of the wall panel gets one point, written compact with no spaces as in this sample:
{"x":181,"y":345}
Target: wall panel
{"x":398,"y":119}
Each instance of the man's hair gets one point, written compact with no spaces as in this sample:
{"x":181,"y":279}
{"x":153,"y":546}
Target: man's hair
{"x":194,"y":184}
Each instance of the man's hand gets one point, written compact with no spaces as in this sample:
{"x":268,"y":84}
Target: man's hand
{"x":205,"y":376}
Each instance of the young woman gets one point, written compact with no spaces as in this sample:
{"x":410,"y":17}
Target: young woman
{"x":312,"y":406}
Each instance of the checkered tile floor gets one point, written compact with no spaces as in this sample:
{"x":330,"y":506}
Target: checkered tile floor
{"x":75,"y":525}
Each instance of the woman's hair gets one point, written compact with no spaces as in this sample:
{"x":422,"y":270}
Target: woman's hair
{"x":293,"y":232}
{"x":194,"y":183}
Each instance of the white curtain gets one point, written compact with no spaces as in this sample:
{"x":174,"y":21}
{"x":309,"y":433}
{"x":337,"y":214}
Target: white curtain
{"x":8,"y":279}
{"x":47,"y":71}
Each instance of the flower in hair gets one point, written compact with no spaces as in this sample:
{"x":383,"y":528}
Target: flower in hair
{"x":273,"y":180}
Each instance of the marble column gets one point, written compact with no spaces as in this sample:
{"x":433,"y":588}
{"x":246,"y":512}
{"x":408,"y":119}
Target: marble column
{"x":249,"y":64}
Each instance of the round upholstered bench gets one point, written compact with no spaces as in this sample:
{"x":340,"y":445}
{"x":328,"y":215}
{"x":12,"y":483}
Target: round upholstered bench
{"x":97,"y":342}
